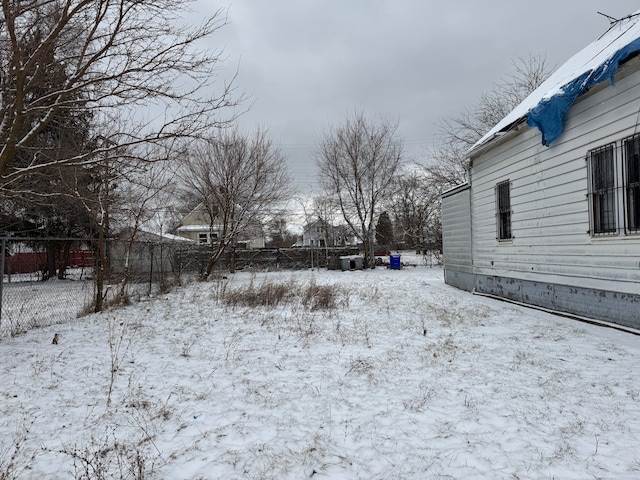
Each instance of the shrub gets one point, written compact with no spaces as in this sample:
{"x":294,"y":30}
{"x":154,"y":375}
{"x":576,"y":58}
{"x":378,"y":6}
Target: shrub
{"x":273,"y":294}
{"x":320,"y":297}
{"x":266,"y":295}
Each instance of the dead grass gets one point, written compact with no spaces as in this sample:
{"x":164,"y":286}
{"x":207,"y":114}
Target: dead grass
{"x":107,"y":458}
{"x":320,"y":297}
{"x":12,"y":461}
{"x":268,"y":295}
{"x":312,"y":297}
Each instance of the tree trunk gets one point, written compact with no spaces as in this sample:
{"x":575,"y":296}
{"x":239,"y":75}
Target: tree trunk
{"x":366,"y":245}
{"x":212,"y":262}
{"x":63,"y":261}
{"x":126,"y":275}
{"x":232,"y":263}
{"x":50,"y":269}
{"x":100,"y":271}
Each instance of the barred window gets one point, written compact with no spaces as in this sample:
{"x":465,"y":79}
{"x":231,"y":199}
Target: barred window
{"x":503,"y":210}
{"x":632,"y":183}
{"x":603,"y":190}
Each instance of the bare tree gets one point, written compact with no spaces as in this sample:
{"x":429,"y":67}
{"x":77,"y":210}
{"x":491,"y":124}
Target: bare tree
{"x":416,"y":209}
{"x":357,"y":162}
{"x":120,"y":196}
{"x":447,"y":158}
{"x":280,"y":236}
{"x":237,"y":180}
{"x":323,"y":210}
{"x":105,"y":191}
{"x":141,"y":193}
{"x":112,"y":60}
{"x":99,"y":197}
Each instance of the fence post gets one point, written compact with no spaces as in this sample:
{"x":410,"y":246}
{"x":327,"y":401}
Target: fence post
{"x":3,"y":249}
{"x":150,"y":268}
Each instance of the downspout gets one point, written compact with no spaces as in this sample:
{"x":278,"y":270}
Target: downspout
{"x":473,"y":257}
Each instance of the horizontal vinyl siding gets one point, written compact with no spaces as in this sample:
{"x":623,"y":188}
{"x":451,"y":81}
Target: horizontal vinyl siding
{"x":456,"y":231}
{"x":550,"y":209}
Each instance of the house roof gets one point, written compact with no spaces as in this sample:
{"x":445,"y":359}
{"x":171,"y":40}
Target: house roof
{"x":146,"y":234}
{"x":176,"y":238}
{"x":546,"y":106}
{"x":198,"y":228}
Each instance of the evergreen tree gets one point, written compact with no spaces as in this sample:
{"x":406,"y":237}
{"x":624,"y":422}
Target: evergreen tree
{"x":44,"y":203}
{"x":384,"y":230}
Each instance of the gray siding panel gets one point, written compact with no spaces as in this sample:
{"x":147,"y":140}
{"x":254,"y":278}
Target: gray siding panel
{"x":623,"y":309}
{"x":462,"y":280}
{"x":456,"y":231}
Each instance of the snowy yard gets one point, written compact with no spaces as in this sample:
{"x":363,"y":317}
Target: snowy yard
{"x":28,"y":303}
{"x":404,"y":378}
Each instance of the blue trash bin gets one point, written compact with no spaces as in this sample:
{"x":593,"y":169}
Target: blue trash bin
{"x":394,"y":261}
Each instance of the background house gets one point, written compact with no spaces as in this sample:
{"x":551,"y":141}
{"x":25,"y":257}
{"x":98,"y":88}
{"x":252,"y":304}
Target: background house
{"x":144,"y":252}
{"x":550,"y":215}
{"x":196,"y":227}
{"x":314,"y":234}
{"x":319,"y":233}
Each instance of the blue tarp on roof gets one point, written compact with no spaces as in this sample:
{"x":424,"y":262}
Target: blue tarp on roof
{"x":546,"y":107}
{"x":548,"y":115}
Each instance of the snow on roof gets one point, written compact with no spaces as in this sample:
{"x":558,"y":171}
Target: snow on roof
{"x":166,"y":236}
{"x":546,"y":106}
{"x":176,"y":238}
{"x":198,"y":228}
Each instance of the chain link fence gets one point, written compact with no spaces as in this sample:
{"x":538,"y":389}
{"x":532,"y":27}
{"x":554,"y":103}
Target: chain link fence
{"x":52,"y":280}
{"x":44,"y":281}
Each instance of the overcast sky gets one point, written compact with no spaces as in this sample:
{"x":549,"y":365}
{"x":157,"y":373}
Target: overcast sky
{"x":306,"y":64}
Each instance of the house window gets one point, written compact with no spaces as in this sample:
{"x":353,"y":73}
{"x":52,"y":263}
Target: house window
{"x":503,"y":210}
{"x":202,"y":239}
{"x":603,"y":190}
{"x":632,"y":183}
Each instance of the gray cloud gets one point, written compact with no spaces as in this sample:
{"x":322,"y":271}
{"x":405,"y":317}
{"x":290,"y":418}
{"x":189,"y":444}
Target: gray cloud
{"x":306,"y":64}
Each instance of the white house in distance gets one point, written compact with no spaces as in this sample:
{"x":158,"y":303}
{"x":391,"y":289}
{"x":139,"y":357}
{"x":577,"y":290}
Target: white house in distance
{"x":196,"y":227}
{"x":314,"y":234}
{"x":320,"y":233}
{"x":551,"y":213}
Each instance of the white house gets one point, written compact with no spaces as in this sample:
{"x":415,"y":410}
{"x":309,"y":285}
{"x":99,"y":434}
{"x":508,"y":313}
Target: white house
{"x":551,"y":213}
{"x":320,"y":233}
{"x":314,"y":234}
{"x":196,"y":227}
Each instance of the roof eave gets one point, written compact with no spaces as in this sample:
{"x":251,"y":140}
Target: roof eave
{"x":497,"y":138}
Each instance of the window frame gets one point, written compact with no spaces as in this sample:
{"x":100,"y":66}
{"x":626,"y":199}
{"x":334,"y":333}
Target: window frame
{"x":504,"y":225}
{"x":203,"y":238}
{"x":603,"y":180}
{"x":631,"y":172}
{"x":623,"y":190}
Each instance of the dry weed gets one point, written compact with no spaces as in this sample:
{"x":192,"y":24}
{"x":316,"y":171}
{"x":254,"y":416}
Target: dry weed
{"x":274,"y":294}
{"x":109,"y":458}
{"x":12,"y":461}
{"x":320,"y":297}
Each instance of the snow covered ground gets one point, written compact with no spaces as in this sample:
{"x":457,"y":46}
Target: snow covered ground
{"x":405,"y":378}
{"x":28,"y":303}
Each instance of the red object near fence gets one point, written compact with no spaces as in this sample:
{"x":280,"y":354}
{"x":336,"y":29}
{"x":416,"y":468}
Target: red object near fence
{"x":80,"y":258}
{"x":31,"y":262}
